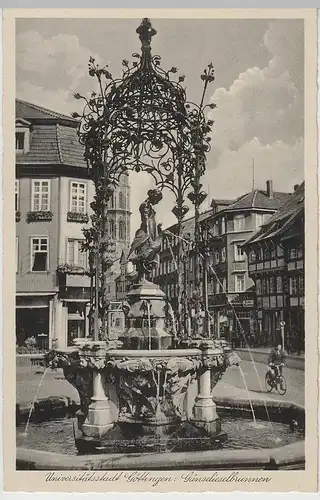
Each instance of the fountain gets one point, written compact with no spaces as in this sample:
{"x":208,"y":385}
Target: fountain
{"x":149,"y":391}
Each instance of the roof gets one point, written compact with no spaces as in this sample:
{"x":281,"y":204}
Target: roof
{"x":53,"y":137}
{"x":33,"y":112}
{"x":259,"y":199}
{"x":216,"y":202}
{"x":188,"y":224}
{"x":287,"y":215}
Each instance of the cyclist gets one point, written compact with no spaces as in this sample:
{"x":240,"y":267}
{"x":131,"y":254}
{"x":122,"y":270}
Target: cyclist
{"x":276,"y":361}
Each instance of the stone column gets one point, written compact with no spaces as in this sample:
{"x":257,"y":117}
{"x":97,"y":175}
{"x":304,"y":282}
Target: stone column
{"x":100,"y":415}
{"x":204,"y":410}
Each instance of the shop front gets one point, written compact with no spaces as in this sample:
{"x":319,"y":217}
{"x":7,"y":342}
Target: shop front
{"x":34,"y":319}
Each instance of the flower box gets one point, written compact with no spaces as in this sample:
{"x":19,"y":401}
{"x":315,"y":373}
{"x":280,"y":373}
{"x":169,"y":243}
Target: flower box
{"x":77,"y":217}
{"x":39,"y":216}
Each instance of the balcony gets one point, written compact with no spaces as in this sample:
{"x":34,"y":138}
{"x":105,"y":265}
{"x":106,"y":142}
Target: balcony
{"x":40,"y":215}
{"x":77,"y":217}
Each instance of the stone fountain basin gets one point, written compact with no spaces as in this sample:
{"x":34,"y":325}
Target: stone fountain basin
{"x":286,"y":457}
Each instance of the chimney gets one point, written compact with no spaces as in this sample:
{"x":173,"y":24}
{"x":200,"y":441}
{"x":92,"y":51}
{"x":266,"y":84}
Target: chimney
{"x":269,"y":189}
{"x":295,"y":187}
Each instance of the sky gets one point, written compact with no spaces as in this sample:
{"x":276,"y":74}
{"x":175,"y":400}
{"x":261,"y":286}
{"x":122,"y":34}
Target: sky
{"x":258,"y":89}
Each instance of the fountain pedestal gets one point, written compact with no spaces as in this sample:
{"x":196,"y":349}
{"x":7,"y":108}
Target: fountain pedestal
{"x":204,"y":410}
{"x":100,"y":419}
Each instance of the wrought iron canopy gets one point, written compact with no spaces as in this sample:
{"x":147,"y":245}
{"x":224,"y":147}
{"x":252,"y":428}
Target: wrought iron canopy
{"x":143,"y":121}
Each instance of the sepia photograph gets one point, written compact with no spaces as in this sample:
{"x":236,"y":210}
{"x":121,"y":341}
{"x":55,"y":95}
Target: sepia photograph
{"x":159,"y":263}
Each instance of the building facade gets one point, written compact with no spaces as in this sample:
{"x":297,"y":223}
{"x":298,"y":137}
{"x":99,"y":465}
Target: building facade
{"x":225,"y":228}
{"x":231,"y":291}
{"x":276,"y":265}
{"x":52,"y":202}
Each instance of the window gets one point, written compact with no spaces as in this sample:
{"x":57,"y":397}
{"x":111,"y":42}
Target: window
{"x":224,"y":285}
{"x":272,"y":285}
{"x":259,"y":220}
{"x":294,"y":285}
{"x":121,"y":230}
{"x":223,"y":225}
{"x":112,"y":229}
{"x":40,"y":196}
{"x":258,"y":287}
{"x":273,"y":252}
{"x":239,"y":282}
{"x":78,"y":197}
{"x":39,"y":253}
{"x":111,"y":202}
{"x":259,"y":253}
{"x":238,"y":223}
{"x":301,"y":285}
{"x":20,"y":141}
{"x":121,"y":200}
{"x":300,"y":252}
{"x":17,"y":254}
{"x":75,"y":255}
{"x":223,"y":255}
{"x":252,"y":256}
{"x":279,"y":284}
{"x":217,"y":257}
{"x":293,"y":253}
{"x":16,"y":195}
{"x":238,"y":253}
{"x":266,"y":217}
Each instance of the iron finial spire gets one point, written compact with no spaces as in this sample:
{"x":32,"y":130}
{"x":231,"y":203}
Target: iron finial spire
{"x":145,"y":32}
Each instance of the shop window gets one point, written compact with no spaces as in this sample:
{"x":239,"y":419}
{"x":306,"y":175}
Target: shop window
{"x":39,"y":254}
{"x":78,"y":197}
{"x":40,"y":199}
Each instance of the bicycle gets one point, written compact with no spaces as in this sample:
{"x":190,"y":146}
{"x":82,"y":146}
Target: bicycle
{"x":276,"y":381}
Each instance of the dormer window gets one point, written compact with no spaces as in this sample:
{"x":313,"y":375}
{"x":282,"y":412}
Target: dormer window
{"x":22,"y":136}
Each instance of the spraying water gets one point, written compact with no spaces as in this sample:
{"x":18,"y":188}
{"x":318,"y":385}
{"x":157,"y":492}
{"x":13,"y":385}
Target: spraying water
{"x":244,"y":337}
{"x":34,"y":401}
{"x":248,"y":393}
{"x":149,"y":324}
